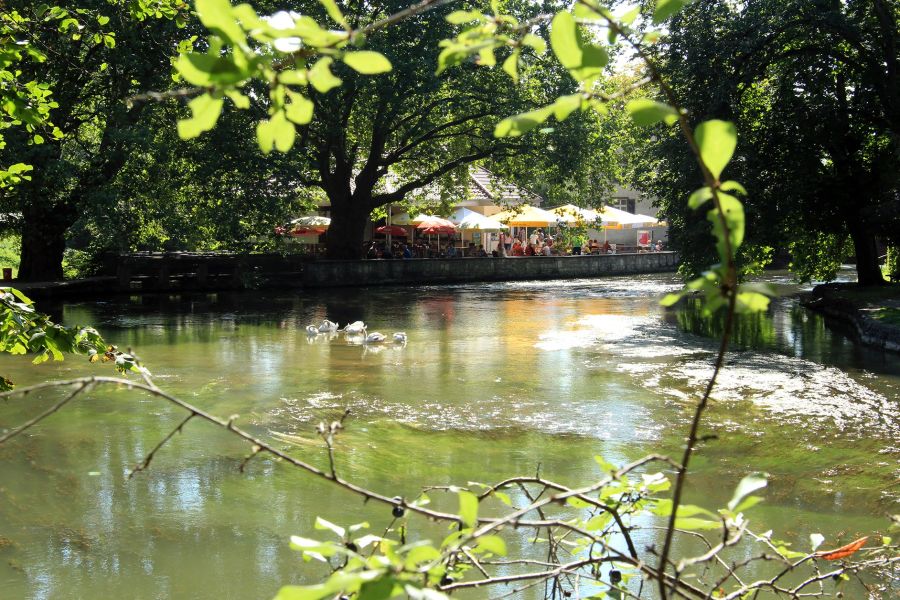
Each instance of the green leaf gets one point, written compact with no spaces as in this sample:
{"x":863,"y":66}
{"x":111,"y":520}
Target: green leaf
{"x":102,"y":19}
{"x":205,"y":112}
{"x":699,"y":197}
{"x":380,"y":589}
{"x":468,"y":508}
{"x":750,"y":302}
{"x":265,"y":136}
{"x":493,"y":544}
{"x":747,"y":503}
{"x":577,"y":502}
{"x":302,"y":592}
{"x":748,"y":485}
{"x":564,"y":40}
{"x":204,"y":70}
{"x":511,"y":65}
{"x":502,"y":497}
{"x":240,"y":100}
{"x":458,"y":17}
{"x":217,"y":16}
{"x":733,"y":211}
{"x":321,"y":77}
{"x":667,"y":8}
{"x":334,"y":12}
{"x":520,"y":124}
{"x":716,"y":140}
{"x":300,"y":109}
{"x":694,"y":524}
{"x":645,"y":112}
{"x":283,"y":132}
{"x":535,"y":42}
{"x":323,"y":524}
{"x":671,"y":299}
{"x":566,"y":105}
{"x":421,"y":554}
{"x":733,"y":186}
{"x":367,"y":62}
{"x":598,"y":522}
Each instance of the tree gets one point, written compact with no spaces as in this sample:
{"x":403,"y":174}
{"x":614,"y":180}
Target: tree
{"x":813,"y":90}
{"x":218,"y":192}
{"x":97,"y":55}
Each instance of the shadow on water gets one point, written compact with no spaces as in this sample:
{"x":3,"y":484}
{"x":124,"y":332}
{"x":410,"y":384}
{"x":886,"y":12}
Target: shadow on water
{"x":495,"y":379}
{"x":789,"y":329}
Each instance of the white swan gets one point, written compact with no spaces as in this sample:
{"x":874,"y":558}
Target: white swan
{"x":400,"y":337}
{"x":355,"y":328}
{"x":328,"y":326}
{"x":374,"y":338}
{"x":312,"y":330}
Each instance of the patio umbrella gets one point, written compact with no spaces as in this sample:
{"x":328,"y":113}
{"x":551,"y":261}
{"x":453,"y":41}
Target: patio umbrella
{"x":298,"y":231}
{"x":569,"y":213}
{"x":391,"y":230}
{"x":437,"y":230}
{"x":312,"y":221}
{"x":424,"y":222}
{"x":528,"y":216}
{"x":469,"y":220}
{"x":625,"y":219}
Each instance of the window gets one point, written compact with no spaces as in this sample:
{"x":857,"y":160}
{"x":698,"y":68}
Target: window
{"x":626,"y":204}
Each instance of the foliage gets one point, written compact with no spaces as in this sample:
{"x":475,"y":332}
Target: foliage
{"x":812,"y":87}
{"x":9,"y":251}
{"x":892,"y":263}
{"x":583,"y":528}
{"x":23,"y":330}
{"x":395,"y":566}
{"x":98,"y":62}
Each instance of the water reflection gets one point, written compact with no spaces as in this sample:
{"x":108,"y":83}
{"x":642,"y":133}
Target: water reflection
{"x":494,"y":380}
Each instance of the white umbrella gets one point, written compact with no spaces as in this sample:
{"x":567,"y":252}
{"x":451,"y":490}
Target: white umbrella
{"x":471,"y":220}
{"x":626,"y":220}
{"x":312,"y":221}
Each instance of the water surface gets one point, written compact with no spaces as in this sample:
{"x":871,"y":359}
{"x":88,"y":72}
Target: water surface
{"x":495,"y":380}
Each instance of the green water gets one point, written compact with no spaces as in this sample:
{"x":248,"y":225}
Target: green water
{"x":494,"y":381}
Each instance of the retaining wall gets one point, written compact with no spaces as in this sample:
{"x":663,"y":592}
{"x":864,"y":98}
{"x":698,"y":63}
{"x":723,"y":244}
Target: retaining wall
{"x":331,"y":273}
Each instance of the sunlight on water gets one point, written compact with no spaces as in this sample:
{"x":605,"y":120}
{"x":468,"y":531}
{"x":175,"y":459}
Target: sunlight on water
{"x":494,"y":380}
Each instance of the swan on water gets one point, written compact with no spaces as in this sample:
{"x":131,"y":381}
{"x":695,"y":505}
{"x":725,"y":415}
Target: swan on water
{"x":400,"y":337}
{"x":355,"y":328}
{"x":374,"y":337}
{"x":328,"y":326}
{"x":312,"y":330}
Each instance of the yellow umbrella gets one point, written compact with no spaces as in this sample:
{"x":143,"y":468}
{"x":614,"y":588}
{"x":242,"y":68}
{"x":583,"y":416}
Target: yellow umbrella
{"x":571,"y":214}
{"x":528,"y":216}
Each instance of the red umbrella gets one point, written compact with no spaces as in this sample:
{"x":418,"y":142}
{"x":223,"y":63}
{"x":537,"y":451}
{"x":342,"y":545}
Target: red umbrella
{"x":436,"y":223}
{"x":308,"y":230}
{"x":395,"y":230}
{"x":437,"y":230}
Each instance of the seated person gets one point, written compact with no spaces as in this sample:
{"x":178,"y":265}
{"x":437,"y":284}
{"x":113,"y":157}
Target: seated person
{"x":481,"y":251}
{"x":659,"y":246}
{"x":547,"y":250}
{"x":529,"y":249}
{"x":517,"y":249}
{"x":451,"y":250}
{"x":606,"y":247}
{"x":407,"y":253}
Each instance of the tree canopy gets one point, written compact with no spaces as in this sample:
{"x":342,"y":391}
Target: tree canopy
{"x":813,"y":90}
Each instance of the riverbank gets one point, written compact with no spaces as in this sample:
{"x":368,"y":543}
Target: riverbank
{"x":873,"y":313}
{"x":186,"y":272}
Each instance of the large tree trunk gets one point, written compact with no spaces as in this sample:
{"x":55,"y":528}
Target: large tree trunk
{"x":348,"y":228}
{"x":867,"y":270}
{"x":43,"y":244}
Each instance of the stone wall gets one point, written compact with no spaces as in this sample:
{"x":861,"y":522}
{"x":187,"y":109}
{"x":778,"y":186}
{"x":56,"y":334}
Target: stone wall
{"x":328,"y":273}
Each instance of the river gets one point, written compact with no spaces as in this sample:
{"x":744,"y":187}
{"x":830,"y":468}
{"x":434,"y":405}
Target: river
{"x":495,"y":380}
